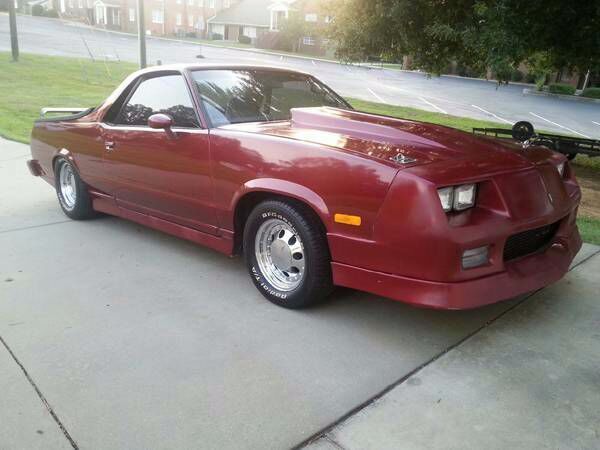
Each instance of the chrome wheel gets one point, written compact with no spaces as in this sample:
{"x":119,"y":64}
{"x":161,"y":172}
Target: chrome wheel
{"x":280,"y":254}
{"x":68,"y":186}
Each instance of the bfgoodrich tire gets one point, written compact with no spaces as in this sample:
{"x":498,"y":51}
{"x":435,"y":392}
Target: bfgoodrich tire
{"x":72,"y":193}
{"x":286,"y":252}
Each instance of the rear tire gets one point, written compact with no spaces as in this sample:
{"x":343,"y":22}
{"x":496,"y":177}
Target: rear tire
{"x":72,"y":193}
{"x":286,"y":251}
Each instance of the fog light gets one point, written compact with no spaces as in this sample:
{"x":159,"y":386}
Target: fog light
{"x":475,"y":257}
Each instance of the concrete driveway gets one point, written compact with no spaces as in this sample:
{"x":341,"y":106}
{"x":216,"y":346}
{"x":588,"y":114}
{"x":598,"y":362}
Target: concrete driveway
{"x":116,"y":336}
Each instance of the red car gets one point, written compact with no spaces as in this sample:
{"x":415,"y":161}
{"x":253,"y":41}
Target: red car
{"x":273,"y":164}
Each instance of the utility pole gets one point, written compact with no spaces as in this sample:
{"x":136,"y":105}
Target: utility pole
{"x":141,"y":32}
{"x":585,"y":82}
{"x":12,"y":19}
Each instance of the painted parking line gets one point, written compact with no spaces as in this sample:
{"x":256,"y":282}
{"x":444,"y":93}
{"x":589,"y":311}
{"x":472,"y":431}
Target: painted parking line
{"x":376,"y":96}
{"x":596,"y":123}
{"x":432,"y":105}
{"x":492,"y":114}
{"x":313,"y":62}
{"x":559,"y":125}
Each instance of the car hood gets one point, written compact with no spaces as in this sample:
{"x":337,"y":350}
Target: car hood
{"x":397,"y":142}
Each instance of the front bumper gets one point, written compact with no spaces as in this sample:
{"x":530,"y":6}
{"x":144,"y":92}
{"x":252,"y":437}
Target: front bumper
{"x":520,"y":276}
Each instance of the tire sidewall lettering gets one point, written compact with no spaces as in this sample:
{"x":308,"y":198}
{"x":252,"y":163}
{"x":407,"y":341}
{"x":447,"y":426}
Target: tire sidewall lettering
{"x":259,"y":280}
{"x":263,"y":284}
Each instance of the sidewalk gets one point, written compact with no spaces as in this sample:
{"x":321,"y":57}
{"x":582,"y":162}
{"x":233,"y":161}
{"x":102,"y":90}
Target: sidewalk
{"x":529,"y":380}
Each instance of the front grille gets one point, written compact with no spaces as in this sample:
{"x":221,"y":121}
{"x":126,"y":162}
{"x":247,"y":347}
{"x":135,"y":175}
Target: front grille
{"x":529,"y":241}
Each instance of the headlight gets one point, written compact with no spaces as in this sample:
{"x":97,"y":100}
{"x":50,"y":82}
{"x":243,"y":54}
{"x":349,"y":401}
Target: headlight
{"x":446,"y":198}
{"x":457,"y":197}
{"x":561,"y":169}
{"x":464,"y":197}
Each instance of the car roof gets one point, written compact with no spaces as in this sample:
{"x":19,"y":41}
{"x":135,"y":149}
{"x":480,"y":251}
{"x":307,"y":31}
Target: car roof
{"x":224,"y":66}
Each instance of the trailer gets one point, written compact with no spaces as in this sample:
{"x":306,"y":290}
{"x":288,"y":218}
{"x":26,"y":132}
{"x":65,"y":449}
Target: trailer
{"x":524,"y":132}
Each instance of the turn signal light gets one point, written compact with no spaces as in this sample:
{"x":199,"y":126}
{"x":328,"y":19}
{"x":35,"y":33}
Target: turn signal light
{"x":347,"y":219}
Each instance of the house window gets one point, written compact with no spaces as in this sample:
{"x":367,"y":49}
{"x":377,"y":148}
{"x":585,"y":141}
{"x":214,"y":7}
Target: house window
{"x":191,"y":2}
{"x":71,"y":5}
{"x":211,"y":4}
{"x":201,"y":3}
{"x":132,"y":14}
{"x":277,"y":18}
{"x":80,"y":4}
{"x":250,"y":32}
{"x":191,"y":20}
{"x":226,"y":3}
{"x":218,"y":29}
{"x":178,"y":20}
{"x":308,"y":40}
{"x":89,"y":4}
{"x":178,"y":2}
{"x":310,"y":17}
{"x":157,"y":16}
{"x":116,"y":16}
{"x":200,"y":23}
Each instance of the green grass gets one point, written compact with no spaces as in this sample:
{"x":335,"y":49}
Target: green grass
{"x":462,"y":123}
{"x":38,"y":81}
{"x":589,"y":229}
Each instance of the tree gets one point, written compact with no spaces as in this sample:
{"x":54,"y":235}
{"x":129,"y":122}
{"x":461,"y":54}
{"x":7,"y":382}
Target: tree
{"x":481,"y":34}
{"x":291,"y":31}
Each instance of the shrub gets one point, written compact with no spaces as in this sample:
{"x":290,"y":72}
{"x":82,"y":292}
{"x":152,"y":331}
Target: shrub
{"x":216,"y":37}
{"x":37,"y":10}
{"x":591,"y":92}
{"x":516,"y":76}
{"x":51,"y":13}
{"x":560,"y":88}
{"x":242,"y":39}
{"x":530,"y":78}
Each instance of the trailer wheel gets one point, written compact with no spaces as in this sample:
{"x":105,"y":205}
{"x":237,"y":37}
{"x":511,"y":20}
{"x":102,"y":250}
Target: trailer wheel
{"x":523,"y":130}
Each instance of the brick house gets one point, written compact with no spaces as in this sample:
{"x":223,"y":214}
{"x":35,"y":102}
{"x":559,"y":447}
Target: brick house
{"x":162,"y":17}
{"x":313,"y":13}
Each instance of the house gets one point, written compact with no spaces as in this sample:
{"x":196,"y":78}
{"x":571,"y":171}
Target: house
{"x":177,"y":17}
{"x":317,"y":17}
{"x":248,"y":18}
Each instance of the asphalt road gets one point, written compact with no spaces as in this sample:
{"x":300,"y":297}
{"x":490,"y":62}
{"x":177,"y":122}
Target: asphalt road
{"x":462,"y":97}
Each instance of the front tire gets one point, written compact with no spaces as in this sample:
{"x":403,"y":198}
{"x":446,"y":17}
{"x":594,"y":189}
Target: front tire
{"x":286,"y":252}
{"x":72,"y":193}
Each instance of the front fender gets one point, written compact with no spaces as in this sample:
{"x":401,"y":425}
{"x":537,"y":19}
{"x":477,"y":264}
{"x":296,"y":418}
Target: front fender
{"x":285,"y":188}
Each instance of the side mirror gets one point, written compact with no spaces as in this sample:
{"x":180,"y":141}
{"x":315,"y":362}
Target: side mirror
{"x":162,"y":122}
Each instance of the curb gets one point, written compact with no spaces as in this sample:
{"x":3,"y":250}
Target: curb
{"x":573,"y":98}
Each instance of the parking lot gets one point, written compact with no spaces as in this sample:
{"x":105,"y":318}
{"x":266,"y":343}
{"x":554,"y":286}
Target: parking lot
{"x":477,"y":99}
{"x":116,"y":336}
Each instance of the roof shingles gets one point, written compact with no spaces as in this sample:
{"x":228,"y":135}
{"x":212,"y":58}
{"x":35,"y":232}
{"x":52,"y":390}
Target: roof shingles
{"x":247,"y":12}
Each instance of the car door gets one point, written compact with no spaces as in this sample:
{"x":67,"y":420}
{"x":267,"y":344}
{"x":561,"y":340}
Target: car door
{"x":162,"y":174}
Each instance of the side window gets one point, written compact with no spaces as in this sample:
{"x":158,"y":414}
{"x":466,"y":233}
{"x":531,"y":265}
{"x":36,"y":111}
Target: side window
{"x":165,"y":94}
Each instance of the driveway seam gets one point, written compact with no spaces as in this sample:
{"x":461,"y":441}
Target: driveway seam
{"x":34,"y":226}
{"x":325,"y":431}
{"x":333,"y":442}
{"x":41,"y":396}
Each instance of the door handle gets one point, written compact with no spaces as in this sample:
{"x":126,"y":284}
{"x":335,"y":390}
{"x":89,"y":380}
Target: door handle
{"x":109,"y":146}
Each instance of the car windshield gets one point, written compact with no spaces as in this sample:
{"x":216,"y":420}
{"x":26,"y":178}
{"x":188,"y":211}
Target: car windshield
{"x":235,"y":96}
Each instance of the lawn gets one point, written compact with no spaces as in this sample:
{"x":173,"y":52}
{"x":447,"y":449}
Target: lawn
{"x":38,"y":81}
